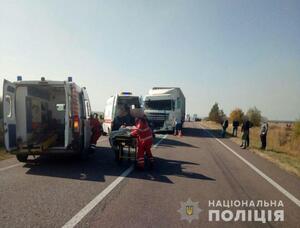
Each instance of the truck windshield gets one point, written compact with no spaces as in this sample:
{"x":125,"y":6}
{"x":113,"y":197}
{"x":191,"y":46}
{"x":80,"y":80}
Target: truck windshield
{"x":159,"y":105}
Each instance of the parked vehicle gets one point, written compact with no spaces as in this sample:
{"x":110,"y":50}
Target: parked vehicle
{"x":124,"y":98}
{"x":162,"y":106}
{"x":45,"y":117}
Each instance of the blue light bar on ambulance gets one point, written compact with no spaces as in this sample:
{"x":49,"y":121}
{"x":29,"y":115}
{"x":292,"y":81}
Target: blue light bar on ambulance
{"x":126,"y":93}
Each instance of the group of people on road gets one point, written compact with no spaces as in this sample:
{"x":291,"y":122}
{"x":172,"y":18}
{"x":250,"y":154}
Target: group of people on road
{"x":136,"y":121}
{"x":245,"y":129}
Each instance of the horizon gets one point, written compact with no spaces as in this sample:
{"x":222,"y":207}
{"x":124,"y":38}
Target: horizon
{"x":242,"y":55}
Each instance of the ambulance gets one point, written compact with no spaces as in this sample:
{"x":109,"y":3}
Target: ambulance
{"x":45,"y":116}
{"x":112,"y":103}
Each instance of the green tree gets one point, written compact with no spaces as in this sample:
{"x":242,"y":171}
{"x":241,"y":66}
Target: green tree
{"x":236,"y":114}
{"x":254,"y":116}
{"x":216,"y":114}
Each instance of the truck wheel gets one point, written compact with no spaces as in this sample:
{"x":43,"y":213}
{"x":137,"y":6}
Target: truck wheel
{"x":22,"y":157}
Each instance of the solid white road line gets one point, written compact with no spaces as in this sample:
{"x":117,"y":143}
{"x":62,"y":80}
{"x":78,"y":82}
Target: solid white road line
{"x":11,"y":166}
{"x":272,"y":182}
{"x":83,"y":212}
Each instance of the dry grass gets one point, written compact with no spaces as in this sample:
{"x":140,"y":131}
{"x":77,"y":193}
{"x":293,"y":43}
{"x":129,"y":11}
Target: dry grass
{"x":4,"y":154}
{"x":283,"y":146}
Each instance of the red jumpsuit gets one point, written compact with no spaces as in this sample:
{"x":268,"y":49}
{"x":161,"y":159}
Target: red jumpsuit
{"x":96,"y":133}
{"x":144,"y":141}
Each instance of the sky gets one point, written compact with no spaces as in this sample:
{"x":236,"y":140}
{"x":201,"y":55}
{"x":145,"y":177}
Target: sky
{"x":239,"y":53}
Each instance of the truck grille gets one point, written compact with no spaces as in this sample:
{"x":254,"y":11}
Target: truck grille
{"x":152,"y":116}
{"x":157,"y":120}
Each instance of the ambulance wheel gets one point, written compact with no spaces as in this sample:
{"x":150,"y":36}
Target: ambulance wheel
{"x":22,"y":157}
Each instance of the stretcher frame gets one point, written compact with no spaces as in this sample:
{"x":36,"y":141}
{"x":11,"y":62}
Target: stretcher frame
{"x":128,"y":142}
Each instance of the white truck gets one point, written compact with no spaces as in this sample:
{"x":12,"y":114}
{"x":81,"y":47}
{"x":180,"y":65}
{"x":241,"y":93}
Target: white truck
{"x":162,"y":105}
{"x":45,"y":117}
{"x":112,"y":103}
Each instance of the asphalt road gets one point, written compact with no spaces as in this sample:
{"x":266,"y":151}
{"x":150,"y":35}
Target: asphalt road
{"x":50,"y":191}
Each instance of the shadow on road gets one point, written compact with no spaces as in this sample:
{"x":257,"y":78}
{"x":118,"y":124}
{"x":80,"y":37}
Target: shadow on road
{"x":95,"y":168}
{"x":174,"y":143}
{"x":165,"y":167}
{"x":202,"y":133}
{"x":102,"y":164}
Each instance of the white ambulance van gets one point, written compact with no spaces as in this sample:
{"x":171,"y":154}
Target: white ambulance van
{"x":124,"y":98}
{"x":45,"y":117}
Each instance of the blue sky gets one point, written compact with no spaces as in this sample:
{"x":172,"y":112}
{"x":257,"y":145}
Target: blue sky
{"x":238,"y":53}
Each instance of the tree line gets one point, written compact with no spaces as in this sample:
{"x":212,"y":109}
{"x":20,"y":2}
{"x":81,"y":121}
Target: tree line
{"x":253,"y":114}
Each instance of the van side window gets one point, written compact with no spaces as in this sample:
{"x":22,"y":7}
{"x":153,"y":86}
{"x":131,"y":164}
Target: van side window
{"x":9,"y":101}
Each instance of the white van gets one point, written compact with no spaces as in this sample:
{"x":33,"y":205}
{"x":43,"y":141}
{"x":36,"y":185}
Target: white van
{"x":45,"y":117}
{"x":124,"y":98}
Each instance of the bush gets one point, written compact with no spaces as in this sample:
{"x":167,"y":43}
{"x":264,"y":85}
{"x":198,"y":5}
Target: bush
{"x":236,"y":114}
{"x":254,"y":116}
{"x":297,"y":128}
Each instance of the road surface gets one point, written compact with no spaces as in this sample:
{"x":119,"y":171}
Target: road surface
{"x":58,"y":191}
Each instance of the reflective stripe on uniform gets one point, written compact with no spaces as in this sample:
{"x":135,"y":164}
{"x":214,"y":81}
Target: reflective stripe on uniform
{"x":147,"y":138}
{"x":143,"y":130}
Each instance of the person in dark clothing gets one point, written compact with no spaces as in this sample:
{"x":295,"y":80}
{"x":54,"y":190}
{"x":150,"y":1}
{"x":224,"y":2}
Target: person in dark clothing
{"x":123,"y":118}
{"x":235,"y":126}
{"x":224,"y":127}
{"x":263,"y":135}
{"x":246,"y":132}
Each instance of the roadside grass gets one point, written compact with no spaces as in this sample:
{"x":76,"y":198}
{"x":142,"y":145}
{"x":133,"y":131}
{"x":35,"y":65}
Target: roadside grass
{"x":283,"y":146}
{"x":4,"y":154}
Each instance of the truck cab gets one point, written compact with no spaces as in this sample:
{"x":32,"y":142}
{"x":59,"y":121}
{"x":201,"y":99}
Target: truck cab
{"x":162,"y":106}
{"x":45,"y":117}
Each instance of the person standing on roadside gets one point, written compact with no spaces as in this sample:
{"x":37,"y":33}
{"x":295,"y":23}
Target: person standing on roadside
{"x":263,"y":135}
{"x":224,"y":127}
{"x":246,"y":132}
{"x":178,"y":126}
{"x":235,"y":126}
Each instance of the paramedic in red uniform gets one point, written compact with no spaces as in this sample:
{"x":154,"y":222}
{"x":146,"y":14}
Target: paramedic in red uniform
{"x":143,"y":133}
{"x":96,"y":130}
